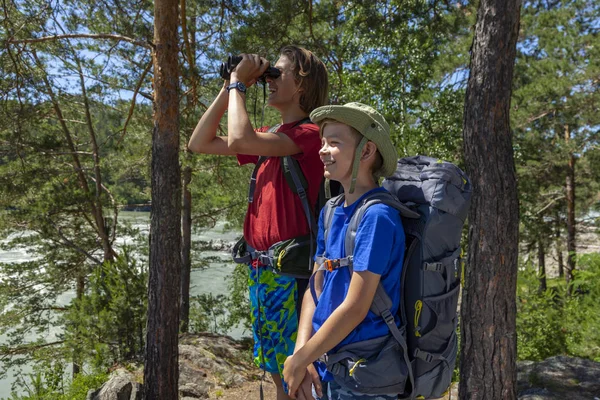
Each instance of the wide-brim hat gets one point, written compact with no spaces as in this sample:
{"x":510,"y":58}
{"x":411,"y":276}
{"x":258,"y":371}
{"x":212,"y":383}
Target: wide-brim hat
{"x":369,"y":123}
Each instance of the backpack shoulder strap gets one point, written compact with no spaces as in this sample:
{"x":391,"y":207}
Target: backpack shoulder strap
{"x":261,"y":160}
{"x":328,"y":210}
{"x":297,"y":182}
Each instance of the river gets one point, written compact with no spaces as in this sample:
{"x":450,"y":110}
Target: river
{"x":212,"y":279}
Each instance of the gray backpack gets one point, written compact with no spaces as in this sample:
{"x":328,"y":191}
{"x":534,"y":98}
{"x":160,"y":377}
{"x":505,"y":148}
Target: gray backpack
{"x":417,"y":359}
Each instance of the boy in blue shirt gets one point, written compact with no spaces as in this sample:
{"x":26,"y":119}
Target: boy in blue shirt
{"x":356,"y":150}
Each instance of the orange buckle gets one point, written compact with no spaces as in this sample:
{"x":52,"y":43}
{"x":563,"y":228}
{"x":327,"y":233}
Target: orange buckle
{"x":330,"y":265}
{"x":256,"y":263}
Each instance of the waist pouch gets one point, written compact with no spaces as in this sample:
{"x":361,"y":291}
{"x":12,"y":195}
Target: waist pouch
{"x":374,"y":366}
{"x":292,"y":257}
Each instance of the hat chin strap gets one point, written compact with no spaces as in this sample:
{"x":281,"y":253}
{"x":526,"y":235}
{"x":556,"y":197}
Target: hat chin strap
{"x":356,"y":163}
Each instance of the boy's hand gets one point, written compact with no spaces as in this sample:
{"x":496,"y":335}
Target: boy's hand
{"x":311,"y":378}
{"x":249,"y":69}
{"x":294,"y":374}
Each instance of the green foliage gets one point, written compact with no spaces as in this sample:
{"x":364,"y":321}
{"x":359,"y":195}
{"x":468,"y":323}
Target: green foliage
{"x":107,"y":325}
{"x":581,"y":317}
{"x":208,"y":313}
{"x":239,"y":307}
{"x":539,"y":319}
{"x":220,"y":313}
{"x":48,"y":382}
{"x":551,"y":323}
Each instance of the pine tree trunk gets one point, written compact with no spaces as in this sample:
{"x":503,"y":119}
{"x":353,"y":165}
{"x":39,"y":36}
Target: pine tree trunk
{"x":570,"y":188}
{"x":561,"y":263}
{"x":488,"y":309}
{"x":542,"y":266}
{"x":189,"y":41}
{"x":186,"y":249}
{"x":79,"y":296}
{"x":161,"y":372}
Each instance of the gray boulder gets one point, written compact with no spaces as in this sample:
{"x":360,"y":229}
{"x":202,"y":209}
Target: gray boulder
{"x":120,"y":386}
{"x":207,"y":364}
{"x":559,"y":378}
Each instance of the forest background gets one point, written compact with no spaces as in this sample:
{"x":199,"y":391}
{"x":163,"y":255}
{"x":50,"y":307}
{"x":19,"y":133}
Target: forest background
{"x":76,"y":121}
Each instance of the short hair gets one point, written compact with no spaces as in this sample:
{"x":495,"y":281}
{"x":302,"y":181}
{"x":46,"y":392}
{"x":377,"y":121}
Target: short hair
{"x":357,"y":136}
{"x":378,"y":162}
{"x":310,"y":74}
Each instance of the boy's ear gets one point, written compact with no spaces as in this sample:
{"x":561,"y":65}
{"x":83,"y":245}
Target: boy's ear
{"x":368,"y":151}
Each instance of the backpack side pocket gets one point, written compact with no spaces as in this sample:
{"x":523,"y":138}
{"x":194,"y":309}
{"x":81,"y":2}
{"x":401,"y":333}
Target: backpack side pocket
{"x":374,"y":366}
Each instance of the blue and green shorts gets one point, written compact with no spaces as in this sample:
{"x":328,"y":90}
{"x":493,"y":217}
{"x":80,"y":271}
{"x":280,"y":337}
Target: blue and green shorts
{"x":275,"y":304}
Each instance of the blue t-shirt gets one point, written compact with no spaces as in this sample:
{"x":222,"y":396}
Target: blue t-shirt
{"x":378,"y":248}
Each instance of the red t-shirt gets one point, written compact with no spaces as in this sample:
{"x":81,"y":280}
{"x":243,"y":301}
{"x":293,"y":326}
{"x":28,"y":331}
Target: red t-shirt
{"x":276,"y":213}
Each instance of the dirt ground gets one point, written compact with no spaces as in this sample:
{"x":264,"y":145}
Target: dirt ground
{"x":250,"y":391}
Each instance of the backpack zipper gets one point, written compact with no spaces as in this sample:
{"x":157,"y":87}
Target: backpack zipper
{"x":356,"y":364}
{"x":281,"y":254}
{"x":418,"y":308}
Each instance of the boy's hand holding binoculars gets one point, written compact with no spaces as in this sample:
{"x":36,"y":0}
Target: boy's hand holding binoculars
{"x":250,"y":69}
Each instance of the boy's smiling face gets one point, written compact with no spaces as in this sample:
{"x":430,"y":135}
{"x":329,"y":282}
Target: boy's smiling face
{"x":338,"y":145}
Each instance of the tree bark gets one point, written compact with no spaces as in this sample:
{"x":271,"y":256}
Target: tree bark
{"x":570,"y":188}
{"x":79,"y":295}
{"x":186,"y":250}
{"x":189,"y":42}
{"x":161,"y":372}
{"x":488,"y":309}
{"x":542,"y":266}
{"x":561,"y":263}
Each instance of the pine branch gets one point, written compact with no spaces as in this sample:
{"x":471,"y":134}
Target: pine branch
{"x":133,"y":100}
{"x":188,"y":50}
{"x":109,"y":253}
{"x":115,"y":209}
{"x":536,"y":117}
{"x":26,"y":349}
{"x":77,"y":248}
{"x":550,"y":204}
{"x":148,"y":45}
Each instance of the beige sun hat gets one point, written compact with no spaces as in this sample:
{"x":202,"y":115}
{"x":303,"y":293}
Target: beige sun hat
{"x":369,"y":123}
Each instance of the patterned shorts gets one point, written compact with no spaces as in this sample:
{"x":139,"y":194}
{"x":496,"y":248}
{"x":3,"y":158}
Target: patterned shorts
{"x":274,"y":304}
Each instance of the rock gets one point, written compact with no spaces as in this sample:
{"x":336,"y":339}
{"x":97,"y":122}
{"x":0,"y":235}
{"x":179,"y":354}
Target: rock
{"x":558,"y":378}
{"x":193,"y":390}
{"x":208,"y":364}
{"x":120,"y":386}
{"x":535,"y":394}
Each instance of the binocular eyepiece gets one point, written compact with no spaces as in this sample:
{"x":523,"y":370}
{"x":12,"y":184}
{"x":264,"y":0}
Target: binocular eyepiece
{"x":232,"y":61}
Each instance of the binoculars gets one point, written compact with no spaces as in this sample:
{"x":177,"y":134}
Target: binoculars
{"x":233,"y":61}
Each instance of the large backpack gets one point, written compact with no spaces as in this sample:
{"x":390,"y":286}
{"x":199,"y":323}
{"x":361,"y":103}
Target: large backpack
{"x":433,"y":199}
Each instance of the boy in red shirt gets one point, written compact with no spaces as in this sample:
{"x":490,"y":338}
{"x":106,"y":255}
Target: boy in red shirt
{"x":276,"y":213}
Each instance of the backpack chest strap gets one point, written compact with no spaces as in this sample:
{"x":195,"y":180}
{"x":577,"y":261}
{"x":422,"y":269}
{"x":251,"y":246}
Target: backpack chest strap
{"x":244,"y":254}
{"x":326,"y":264}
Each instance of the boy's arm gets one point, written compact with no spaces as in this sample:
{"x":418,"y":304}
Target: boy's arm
{"x":241,"y":137}
{"x":204,"y":138}
{"x":344,"y":319}
{"x":244,"y":140}
{"x":340,"y":323}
